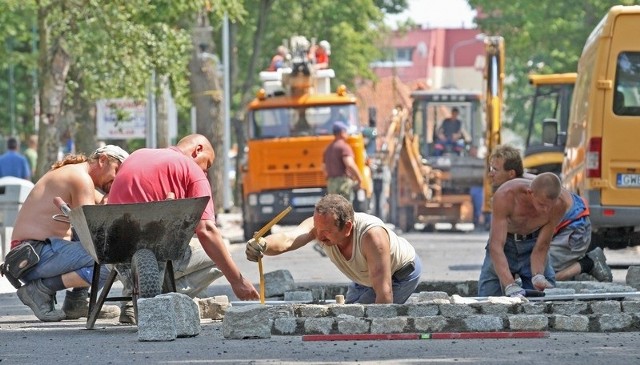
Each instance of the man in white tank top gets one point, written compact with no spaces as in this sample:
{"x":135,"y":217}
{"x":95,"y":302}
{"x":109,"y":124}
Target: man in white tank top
{"x":384,"y":267}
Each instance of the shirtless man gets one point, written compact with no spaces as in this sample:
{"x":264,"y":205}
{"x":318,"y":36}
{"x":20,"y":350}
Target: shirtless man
{"x":572,"y":238}
{"x":525,"y":215}
{"x":39,"y":228}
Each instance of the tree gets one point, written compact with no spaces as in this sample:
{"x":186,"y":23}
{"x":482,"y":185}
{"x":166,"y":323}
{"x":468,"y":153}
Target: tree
{"x":540,"y":37}
{"x":109,"y":48}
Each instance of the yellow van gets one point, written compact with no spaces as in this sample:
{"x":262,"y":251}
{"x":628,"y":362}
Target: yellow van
{"x":602,"y":156}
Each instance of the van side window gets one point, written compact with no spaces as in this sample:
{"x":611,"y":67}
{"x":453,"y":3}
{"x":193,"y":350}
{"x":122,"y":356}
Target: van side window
{"x":626,"y":98}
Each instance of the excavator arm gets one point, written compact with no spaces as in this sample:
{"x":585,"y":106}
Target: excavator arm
{"x":494,"y":84}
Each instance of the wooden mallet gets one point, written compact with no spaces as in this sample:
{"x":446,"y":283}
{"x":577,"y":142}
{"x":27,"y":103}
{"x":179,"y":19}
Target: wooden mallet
{"x":261,"y":233}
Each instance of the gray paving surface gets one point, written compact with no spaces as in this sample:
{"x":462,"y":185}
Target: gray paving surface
{"x":446,"y":256}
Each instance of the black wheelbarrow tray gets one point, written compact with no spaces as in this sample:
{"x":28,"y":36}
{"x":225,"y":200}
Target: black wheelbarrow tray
{"x":140,"y":234}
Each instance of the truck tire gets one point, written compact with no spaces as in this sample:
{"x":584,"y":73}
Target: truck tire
{"x":146,"y":275}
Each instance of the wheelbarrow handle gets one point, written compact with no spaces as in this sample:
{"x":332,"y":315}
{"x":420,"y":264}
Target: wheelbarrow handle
{"x":64,"y":207}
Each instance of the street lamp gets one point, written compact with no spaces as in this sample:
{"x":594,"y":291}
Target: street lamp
{"x":452,"y":55}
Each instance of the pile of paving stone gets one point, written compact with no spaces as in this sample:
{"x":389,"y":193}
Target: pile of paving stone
{"x":437,"y":307}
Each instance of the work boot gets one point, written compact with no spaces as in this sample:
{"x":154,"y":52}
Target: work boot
{"x":39,"y":298}
{"x":601,"y":270}
{"x":76,"y":305}
{"x":127,"y":313}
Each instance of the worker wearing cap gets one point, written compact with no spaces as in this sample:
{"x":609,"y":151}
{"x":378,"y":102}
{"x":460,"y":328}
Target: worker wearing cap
{"x":45,"y":256}
{"x":339,"y":164}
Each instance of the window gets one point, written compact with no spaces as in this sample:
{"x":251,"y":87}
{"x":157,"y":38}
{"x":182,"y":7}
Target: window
{"x":404,"y":54}
{"x":301,"y":121}
{"x":396,"y":57}
{"x":626,"y":100}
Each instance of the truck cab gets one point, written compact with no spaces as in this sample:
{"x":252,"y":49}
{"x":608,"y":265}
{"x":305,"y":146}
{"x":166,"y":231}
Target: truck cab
{"x":289,"y":127}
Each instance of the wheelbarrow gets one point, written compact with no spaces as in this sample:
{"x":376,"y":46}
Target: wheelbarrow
{"x":142,"y":235}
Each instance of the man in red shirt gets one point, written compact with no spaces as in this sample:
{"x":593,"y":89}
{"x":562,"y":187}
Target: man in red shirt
{"x":339,"y":164}
{"x":179,"y":171}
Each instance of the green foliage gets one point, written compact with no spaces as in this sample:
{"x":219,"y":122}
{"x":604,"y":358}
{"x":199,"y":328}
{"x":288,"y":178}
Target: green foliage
{"x":540,"y":37}
{"x":351,"y":30}
{"x":392,"y":6}
{"x":114,"y":45}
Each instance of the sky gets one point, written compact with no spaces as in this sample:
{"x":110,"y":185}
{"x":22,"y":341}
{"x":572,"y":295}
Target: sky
{"x":438,"y":14}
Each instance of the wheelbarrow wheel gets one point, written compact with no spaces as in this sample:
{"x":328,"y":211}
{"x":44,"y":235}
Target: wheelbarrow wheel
{"x":146,"y":275}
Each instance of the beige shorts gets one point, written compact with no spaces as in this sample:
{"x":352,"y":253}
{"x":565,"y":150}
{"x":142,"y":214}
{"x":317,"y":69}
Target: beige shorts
{"x":570,"y":245}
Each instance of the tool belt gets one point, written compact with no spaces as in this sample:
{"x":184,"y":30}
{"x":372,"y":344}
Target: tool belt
{"x":19,"y":261}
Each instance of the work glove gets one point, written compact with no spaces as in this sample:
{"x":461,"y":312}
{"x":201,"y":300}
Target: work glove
{"x":255,"y":249}
{"x":540,"y":282}
{"x":514,"y":290}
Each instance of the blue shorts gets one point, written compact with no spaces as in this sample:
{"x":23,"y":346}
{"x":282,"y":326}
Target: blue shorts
{"x":58,"y":257}
{"x":402,"y":289}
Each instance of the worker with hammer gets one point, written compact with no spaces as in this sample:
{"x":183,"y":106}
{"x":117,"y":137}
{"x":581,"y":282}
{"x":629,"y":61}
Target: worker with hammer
{"x":180,"y":172}
{"x":384,"y":267}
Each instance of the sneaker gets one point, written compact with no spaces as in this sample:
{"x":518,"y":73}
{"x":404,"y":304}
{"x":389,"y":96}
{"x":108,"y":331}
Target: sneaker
{"x":76,"y":305}
{"x":601,"y":270}
{"x":127,"y":313}
{"x":36,"y":296}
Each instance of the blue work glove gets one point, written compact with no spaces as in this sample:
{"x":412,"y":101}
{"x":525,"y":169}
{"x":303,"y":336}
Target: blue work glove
{"x":255,"y":249}
{"x":540,"y":282}
{"x":514,"y":290}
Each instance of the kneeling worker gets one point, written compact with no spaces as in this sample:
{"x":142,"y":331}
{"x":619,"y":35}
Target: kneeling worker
{"x":383,"y":266}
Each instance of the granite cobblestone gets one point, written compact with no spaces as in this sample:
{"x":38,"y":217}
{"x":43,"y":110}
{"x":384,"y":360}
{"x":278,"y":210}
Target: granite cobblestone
{"x":427,"y":316}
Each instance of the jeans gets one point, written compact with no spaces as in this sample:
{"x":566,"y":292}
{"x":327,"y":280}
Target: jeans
{"x":402,"y":289}
{"x":442,"y":146}
{"x":519,"y":259}
{"x":60,"y":257}
{"x":477,"y":195}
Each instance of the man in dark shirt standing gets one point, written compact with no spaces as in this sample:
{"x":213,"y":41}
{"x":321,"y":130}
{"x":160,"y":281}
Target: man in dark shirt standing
{"x":339,"y":164}
{"x":450,"y":134}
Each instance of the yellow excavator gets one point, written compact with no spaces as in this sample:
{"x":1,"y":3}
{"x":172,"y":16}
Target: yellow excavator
{"x":494,"y":86}
{"x":414,"y":183}
{"x":549,"y":115}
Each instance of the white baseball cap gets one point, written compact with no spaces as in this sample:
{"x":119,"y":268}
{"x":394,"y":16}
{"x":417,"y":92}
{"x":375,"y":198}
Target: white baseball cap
{"x":113,"y":151}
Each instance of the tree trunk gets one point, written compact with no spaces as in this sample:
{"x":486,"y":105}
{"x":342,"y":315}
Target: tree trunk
{"x":162,"y":116}
{"x":54,"y":63}
{"x":85,"y":112}
{"x":207,"y":99}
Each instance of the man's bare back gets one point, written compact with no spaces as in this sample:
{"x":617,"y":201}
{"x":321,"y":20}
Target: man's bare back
{"x":523,"y":217}
{"x":70,"y":182}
